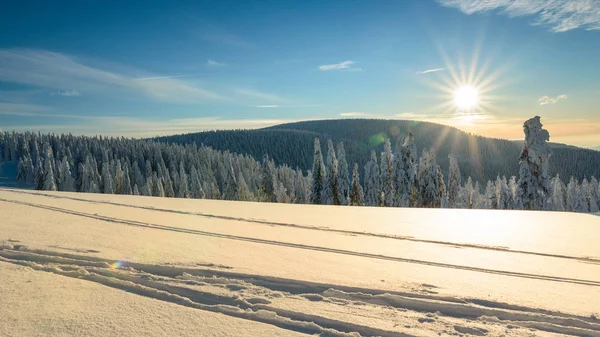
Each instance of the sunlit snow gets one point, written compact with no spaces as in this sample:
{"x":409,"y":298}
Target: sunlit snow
{"x":86,"y":264}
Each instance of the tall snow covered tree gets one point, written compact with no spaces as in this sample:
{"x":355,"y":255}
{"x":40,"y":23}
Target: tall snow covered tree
{"x":594,"y":193}
{"x":442,"y":192}
{"x":65,"y":179}
{"x":357,"y":197}
{"x":318,"y":175}
{"x":158,"y":189}
{"x":243,"y":192}
{"x":490,"y":196}
{"x":119,"y":178}
{"x":38,"y":180}
{"x":579,"y":201}
{"x":196,"y":190}
{"x":503,"y":195}
{"x":454,"y":183}
{"x":372,"y":181}
{"x":534,"y":182}
{"x":230,"y":183}
{"x":572,"y":191}
{"x":558,"y":194}
{"x":586,"y":189}
{"x":477,"y":199}
{"x":466,"y":194}
{"x":429,"y":184}
{"x":127,"y":181}
{"x":405,"y":173}
{"x":49,"y":179}
{"x":343,"y":175}
{"x":268,"y":183}
{"x":182,"y":190}
{"x":512,"y":187}
{"x":331,"y":192}
{"x":107,"y":180}
{"x":89,"y":178}
{"x":387,"y":175}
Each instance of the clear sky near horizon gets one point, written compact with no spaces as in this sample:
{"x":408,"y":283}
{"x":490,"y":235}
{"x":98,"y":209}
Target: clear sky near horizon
{"x":144,"y":69}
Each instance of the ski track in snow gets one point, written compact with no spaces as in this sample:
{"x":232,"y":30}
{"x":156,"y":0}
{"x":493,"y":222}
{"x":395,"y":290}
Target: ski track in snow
{"x":255,"y":298}
{"x":303,"y":246}
{"x":317,"y":228}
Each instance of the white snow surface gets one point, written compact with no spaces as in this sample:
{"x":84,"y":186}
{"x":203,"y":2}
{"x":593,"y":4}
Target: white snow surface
{"x":98,"y":265}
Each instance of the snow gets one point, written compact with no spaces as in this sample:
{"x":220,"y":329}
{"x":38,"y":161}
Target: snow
{"x":36,"y":303}
{"x":277,"y":269}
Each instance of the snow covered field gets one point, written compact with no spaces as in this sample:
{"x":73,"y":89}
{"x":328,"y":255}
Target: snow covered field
{"x":94,"y":264}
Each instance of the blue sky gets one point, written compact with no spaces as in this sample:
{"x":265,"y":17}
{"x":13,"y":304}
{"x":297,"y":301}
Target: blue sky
{"x":139,"y":69}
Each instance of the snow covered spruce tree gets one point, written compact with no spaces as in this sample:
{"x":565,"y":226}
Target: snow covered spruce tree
{"x":454,"y":183}
{"x":503,"y":195}
{"x":65,"y":179}
{"x":357,"y":197}
{"x":428,"y":181}
{"x":405,"y":173}
{"x":372,"y":181}
{"x":590,"y":200}
{"x":534,"y":183}
{"x":594,"y":194}
{"x":490,"y":200}
{"x":182,"y":186}
{"x":49,"y":179}
{"x":343,"y":175}
{"x":197,"y":191}
{"x":387,"y":175}
{"x":318,"y":175}
{"x":558,"y":194}
{"x":331,"y":192}
{"x":268,"y":183}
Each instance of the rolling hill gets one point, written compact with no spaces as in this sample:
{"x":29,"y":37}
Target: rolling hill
{"x":480,"y":157}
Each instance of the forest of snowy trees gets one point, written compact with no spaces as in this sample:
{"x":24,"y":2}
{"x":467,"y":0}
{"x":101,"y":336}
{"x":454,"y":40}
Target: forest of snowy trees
{"x":396,"y":177}
{"x":480,"y":157}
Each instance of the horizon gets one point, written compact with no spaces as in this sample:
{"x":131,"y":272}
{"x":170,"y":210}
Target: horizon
{"x":482,"y":68}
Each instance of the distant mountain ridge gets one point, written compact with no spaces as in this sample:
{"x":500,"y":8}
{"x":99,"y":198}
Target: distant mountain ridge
{"x":480,"y":157}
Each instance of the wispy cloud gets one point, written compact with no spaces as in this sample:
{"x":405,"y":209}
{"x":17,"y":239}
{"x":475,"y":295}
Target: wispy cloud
{"x":66,"y":93}
{"x":433,"y":70}
{"x":260,"y":95}
{"x":153,"y":78}
{"x":354,"y":114}
{"x":142,"y":127}
{"x":214,"y":64}
{"x":560,"y":15}
{"x":550,"y":100}
{"x":339,"y":66}
{"x":45,"y":69}
{"x":276,"y":106}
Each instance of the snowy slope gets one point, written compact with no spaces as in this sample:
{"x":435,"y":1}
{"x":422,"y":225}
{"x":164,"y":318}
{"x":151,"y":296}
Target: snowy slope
{"x":277,"y":269}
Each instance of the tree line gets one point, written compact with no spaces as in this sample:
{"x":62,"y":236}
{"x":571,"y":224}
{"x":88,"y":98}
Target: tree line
{"x":396,"y":177}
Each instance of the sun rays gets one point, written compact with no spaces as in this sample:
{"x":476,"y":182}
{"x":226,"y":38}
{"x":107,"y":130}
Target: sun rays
{"x":465,"y":94}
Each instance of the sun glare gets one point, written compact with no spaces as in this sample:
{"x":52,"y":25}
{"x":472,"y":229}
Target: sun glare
{"x":466,"y":97}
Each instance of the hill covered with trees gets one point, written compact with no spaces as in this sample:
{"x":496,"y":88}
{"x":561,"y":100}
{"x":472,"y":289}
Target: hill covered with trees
{"x":479,"y":157}
{"x":394,"y":177}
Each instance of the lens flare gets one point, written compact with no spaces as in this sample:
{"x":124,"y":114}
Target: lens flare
{"x":116,"y":265}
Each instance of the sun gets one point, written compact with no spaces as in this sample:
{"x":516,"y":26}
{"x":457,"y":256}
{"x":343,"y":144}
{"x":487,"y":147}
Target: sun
{"x":466,"y":97}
